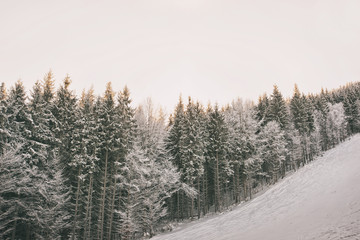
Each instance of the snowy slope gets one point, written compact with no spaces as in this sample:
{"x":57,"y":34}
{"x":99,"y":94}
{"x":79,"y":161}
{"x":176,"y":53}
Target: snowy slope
{"x":320,"y":201}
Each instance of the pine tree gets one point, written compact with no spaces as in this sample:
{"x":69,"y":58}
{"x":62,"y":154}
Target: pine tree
{"x":336,"y":123}
{"x":86,"y":155}
{"x":277,"y":109}
{"x":262,"y":109}
{"x":175,"y":146}
{"x":302,"y":118}
{"x":17,"y":114}
{"x":217,"y":149}
{"x":298,"y":112}
{"x":44,"y":184}
{"x":193,"y":150}
{"x":322,"y":107}
{"x":272,"y":149}
{"x":15,"y":188}
{"x":109,"y":147}
{"x":60,"y":107}
{"x":4,"y":133}
{"x":241,"y":121}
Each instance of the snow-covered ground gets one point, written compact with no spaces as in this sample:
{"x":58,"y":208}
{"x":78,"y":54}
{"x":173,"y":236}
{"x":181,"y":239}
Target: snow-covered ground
{"x":319,"y":201}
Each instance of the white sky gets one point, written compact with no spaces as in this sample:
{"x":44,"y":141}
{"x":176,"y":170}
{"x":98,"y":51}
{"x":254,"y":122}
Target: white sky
{"x":211,"y":50}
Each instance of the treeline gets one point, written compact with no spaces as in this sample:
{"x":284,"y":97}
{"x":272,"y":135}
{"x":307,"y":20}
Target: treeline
{"x":93,"y":167}
{"x":228,"y":153}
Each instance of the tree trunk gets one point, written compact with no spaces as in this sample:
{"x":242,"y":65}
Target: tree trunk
{"x":205,"y":202}
{"x":76,"y":204}
{"x":198,"y":198}
{"x":237,"y":184}
{"x":178,"y":205}
{"x":14,"y":230}
{"x":27,"y":232}
{"x":217,"y":185}
{"x":87,"y":226}
{"x":192,"y":208}
{"x":102,"y":212}
{"x":112,"y":207}
{"x":250,"y":187}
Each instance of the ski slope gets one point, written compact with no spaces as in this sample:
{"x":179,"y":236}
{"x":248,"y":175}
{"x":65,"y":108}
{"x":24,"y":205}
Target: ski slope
{"x":319,"y":201}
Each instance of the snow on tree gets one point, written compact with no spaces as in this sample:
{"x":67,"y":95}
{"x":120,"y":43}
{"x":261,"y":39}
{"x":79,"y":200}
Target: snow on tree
{"x":272,"y":149}
{"x":315,"y":137}
{"x":109,"y":143}
{"x":277,"y":110}
{"x":216,"y":154}
{"x":242,"y":127}
{"x":4,"y":133}
{"x":193,"y":149}
{"x":32,"y":198}
{"x":148,"y":183}
{"x":87,"y":133}
{"x":336,"y":123}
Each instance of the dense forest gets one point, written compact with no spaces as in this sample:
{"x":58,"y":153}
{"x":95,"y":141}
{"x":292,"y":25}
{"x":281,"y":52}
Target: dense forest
{"x":94,"y":167}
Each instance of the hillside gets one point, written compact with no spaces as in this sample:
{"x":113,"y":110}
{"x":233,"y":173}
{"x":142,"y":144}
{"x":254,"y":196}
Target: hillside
{"x":319,"y":201}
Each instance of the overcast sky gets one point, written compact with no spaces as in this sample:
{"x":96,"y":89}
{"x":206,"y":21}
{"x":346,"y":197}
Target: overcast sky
{"x":211,"y":50}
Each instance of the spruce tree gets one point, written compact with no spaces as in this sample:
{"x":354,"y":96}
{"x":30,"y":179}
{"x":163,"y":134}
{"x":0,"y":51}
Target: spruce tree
{"x":175,"y":146}
{"x":272,"y":149}
{"x":217,"y":148}
{"x":277,"y":109}
{"x":193,"y":150}
{"x":4,"y":133}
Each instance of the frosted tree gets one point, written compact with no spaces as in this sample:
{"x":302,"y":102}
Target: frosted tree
{"x":109,"y":157}
{"x":125,"y":130}
{"x":193,"y":149}
{"x":302,"y":119}
{"x":315,"y":136}
{"x":151,"y":129}
{"x":4,"y":133}
{"x":175,"y":146}
{"x":295,"y":156}
{"x":15,"y":188}
{"x":336,"y":123}
{"x":148,"y":183}
{"x":322,"y":107}
{"x":217,"y":148}
{"x":277,"y":110}
{"x":351,"y":111}
{"x":272,"y":149}
{"x":18,"y":117}
{"x":87,"y":130}
{"x":262,"y":109}
{"x":242,"y":127}
{"x":60,"y":110}
{"x":32,"y":198}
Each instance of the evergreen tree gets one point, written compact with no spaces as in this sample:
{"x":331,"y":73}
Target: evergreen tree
{"x":298,"y":112}
{"x":61,"y":110}
{"x":336,"y":123}
{"x":277,"y":109}
{"x":87,"y":131}
{"x":125,"y":130}
{"x":272,"y":149}
{"x":322,"y":107}
{"x":193,"y":150}
{"x":17,"y":114}
{"x":217,"y":148}
{"x":175,"y":146}
{"x":109,"y":129}
{"x":262,"y":109}
{"x":4,"y":133}
{"x":15,"y":189}
{"x":242,"y":126}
